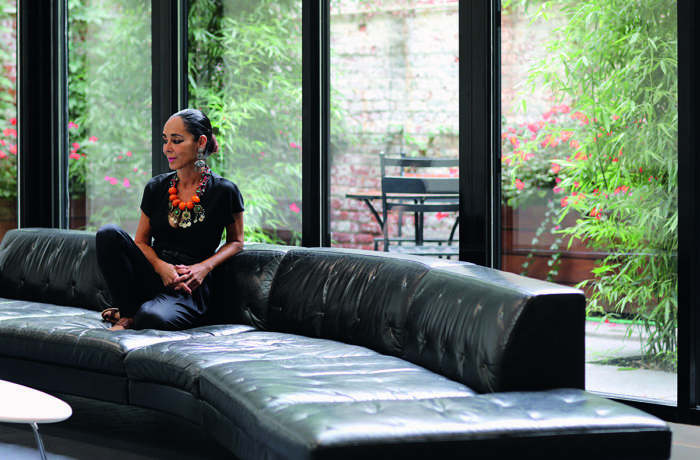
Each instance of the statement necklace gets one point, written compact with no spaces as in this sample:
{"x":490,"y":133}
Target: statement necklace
{"x":180,"y":212}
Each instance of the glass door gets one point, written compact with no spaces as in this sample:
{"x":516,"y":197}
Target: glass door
{"x":394,"y":92}
{"x":589,"y":175}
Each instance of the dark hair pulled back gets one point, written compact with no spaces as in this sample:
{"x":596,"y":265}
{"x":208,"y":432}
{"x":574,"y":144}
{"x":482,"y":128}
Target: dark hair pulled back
{"x":198,"y":124}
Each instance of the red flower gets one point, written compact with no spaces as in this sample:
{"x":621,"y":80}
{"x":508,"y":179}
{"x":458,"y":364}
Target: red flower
{"x":519,"y":184}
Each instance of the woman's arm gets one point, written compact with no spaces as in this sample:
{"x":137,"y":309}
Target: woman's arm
{"x":194,"y":275}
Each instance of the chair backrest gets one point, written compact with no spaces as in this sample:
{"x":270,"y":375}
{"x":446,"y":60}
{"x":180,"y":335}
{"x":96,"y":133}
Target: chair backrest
{"x":403,"y":162}
{"x":426,"y":178}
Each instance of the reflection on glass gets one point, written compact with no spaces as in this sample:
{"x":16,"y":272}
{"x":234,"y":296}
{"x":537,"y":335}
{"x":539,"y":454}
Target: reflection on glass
{"x":394,"y":89}
{"x":589,"y":183}
{"x":8,"y":118}
{"x":245,"y":73}
{"x":109,"y":98}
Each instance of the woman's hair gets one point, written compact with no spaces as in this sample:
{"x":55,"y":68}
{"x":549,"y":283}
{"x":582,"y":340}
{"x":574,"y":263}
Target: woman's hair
{"x":198,"y":124}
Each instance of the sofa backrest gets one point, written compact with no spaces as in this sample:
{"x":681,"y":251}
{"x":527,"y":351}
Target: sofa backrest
{"x":491,"y":330}
{"x":52,"y":266}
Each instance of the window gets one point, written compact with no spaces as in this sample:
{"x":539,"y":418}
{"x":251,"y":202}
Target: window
{"x":245,"y":72}
{"x":589,"y":176}
{"x":109,"y":99}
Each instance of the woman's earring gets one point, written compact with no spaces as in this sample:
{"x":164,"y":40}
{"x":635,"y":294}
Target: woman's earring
{"x":200,"y":165}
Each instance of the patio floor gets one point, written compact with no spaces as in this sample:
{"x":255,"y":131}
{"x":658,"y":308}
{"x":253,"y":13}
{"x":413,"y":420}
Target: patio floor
{"x":611,"y":340}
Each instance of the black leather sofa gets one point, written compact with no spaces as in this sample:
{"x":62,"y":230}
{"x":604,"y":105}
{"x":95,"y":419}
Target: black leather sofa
{"x":329,"y":354}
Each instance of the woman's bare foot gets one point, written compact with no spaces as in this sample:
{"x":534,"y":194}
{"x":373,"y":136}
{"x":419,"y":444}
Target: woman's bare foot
{"x":123,"y":324}
{"x":111,"y":315}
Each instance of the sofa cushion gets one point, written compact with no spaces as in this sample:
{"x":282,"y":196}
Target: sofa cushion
{"x":354,"y":297}
{"x":496,"y":331}
{"x":52,"y":266}
{"x":78,"y":338}
{"x":180,"y":364}
{"x":492,"y":331}
{"x":241,"y":286}
{"x":382,"y":407}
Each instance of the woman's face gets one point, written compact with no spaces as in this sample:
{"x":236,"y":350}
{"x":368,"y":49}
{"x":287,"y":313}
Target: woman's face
{"x":180,"y":146}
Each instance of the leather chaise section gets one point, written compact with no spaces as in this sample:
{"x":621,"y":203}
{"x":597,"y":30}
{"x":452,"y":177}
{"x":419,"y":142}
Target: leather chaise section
{"x":180,"y":364}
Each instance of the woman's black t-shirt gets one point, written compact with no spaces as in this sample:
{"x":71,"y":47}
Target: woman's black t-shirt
{"x":221,"y":200}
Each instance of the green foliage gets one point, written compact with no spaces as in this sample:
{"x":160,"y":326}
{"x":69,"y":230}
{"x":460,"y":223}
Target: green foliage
{"x":245,"y":73}
{"x":615,"y":61}
{"x":109,"y":85}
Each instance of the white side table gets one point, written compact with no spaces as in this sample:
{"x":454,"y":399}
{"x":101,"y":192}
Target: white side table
{"x":20,"y":404}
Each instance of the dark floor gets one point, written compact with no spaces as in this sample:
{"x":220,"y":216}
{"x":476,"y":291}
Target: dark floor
{"x":105,"y":431}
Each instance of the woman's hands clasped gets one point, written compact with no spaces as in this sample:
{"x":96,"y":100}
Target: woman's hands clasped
{"x":184,"y":278}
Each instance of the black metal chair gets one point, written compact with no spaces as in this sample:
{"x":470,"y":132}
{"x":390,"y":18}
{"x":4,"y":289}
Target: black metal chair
{"x":419,"y":195}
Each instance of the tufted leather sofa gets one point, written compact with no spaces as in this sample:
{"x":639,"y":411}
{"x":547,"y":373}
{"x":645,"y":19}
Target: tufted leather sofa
{"x":329,"y":354}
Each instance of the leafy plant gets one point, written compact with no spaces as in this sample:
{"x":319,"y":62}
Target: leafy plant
{"x":245,"y":72}
{"x":616,"y":62}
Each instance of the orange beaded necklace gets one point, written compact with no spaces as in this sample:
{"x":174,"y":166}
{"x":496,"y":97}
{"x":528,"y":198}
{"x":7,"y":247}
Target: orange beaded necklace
{"x":179,"y":211}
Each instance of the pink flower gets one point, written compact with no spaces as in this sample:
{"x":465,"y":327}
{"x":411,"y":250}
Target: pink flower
{"x":294,"y":145}
{"x":519,"y":184}
{"x":72,"y":125}
{"x":13,"y":121}
{"x":555,"y":168}
{"x":441,"y":215}
{"x":75,"y":145}
{"x":92,"y":139}
{"x":126,"y":183}
{"x":13,"y":149}
{"x":128,"y":154}
{"x":74,"y":156}
{"x":294,"y":208}
{"x":3,"y":155}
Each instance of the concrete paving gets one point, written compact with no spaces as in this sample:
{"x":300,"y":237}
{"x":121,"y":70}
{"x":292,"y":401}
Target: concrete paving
{"x":611,"y":340}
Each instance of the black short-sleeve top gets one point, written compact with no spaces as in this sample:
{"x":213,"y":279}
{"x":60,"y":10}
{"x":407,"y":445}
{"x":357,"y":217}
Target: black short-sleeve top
{"x":221,"y":200}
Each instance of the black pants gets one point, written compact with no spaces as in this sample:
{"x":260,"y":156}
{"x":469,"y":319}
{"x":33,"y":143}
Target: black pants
{"x":138,"y":290}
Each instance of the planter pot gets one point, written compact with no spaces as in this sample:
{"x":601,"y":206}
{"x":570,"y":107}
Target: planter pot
{"x":8,"y":215}
{"x":518,"y":228}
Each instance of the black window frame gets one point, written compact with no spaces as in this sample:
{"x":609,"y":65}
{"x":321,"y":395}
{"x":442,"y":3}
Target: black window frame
{"x":43,"y":166}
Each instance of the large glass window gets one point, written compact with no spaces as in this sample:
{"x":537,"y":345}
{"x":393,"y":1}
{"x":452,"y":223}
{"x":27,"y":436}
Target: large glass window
{"x":394,"y":90}
{"x":8,"y":117}
{"x":589,"y":183}
{"x":245,"y":73}
{"x":109,"y":99}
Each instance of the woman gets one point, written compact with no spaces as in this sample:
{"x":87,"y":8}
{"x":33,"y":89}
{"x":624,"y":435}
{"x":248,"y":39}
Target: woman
{"x":159,"y":279}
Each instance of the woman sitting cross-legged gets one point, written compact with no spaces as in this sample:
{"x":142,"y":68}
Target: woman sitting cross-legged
{"x":159,"y":279}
